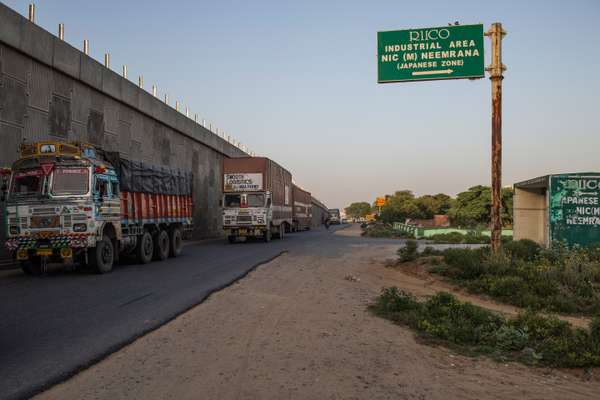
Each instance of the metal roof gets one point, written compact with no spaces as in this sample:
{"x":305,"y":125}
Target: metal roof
{"x":542,"y":182}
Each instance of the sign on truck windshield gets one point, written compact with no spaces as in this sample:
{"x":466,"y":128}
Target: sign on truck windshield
{"x":243,"y":182}
{"x":70,"y":181}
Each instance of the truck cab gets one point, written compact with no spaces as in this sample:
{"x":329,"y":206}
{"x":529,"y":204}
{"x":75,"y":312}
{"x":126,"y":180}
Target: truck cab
{"x":58,"y":200}
{"x":247,"y":214}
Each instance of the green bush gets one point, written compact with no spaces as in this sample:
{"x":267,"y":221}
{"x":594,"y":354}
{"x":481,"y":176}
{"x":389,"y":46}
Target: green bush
{"x":409,"y":252}
{"x":530,"y":337}
{"x":450,"y":237}
{"x":429,"y":251}
{"x":556,"y":280}
{"x":379,"y":230}
{"x":509,"y":338}
{"x":471,"y":237}
{"x":465,"y":263}
{"x":523,"y":249}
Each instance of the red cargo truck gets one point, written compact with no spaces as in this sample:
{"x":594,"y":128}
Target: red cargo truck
{"x":257,"y":198}
{"x":72,"y":202}
{"x":302,"y":212}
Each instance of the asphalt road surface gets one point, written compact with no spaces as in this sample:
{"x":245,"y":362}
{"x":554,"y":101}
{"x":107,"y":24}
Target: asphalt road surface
{"x":55,"y":325}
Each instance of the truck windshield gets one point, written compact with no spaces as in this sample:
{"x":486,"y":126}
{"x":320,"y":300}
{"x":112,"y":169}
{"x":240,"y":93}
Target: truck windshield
{"x":27,"y":182}
{"x":70,"y":181}
{"x":232,"y":200}
{"x":256,"y":200}
{"x":244,"y":200}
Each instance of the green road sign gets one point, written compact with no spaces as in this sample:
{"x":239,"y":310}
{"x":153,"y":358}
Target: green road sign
{"x":575,"y":209}
{"x":447,"y":52}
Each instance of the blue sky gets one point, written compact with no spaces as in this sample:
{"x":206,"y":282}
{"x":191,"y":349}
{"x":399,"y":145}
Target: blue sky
{"x":296,"y":81}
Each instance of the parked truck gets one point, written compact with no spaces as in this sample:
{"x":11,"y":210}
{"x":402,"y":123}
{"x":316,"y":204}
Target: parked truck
{"x":334,"y":216}
{"x":257,"y":198}
{"x":302,"y":211}
{"x":74,"y":203}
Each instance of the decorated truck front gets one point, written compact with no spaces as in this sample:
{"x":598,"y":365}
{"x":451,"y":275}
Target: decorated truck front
{"x":50,"y":207}
{"x":65,"y":204}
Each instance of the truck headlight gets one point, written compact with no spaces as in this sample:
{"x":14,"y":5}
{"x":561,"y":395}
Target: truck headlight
{"x":14,"y":230}
{"x":79,"y":228}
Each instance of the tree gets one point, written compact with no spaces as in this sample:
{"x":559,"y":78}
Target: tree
{"x":358,"y":210}
{"x":400,"y":206}
{"x":473,"y":207}
{"x":403,"y":204}
{"x":429,"y":205}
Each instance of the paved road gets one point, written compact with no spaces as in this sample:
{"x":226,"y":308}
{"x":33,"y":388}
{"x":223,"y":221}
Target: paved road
{"x":53,"y":326}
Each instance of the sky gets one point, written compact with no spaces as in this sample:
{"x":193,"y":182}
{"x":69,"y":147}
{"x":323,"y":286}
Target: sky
{"x":296,"y":81}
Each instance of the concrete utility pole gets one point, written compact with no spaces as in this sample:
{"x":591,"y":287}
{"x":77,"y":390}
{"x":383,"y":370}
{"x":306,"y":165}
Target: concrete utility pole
{"x":496,"y":33}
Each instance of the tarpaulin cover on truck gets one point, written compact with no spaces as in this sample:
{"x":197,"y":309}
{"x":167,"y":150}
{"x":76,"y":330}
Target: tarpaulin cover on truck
{"x":137,"y":176}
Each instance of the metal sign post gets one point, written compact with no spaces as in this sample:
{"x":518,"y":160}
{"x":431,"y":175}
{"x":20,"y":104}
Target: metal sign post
{"x":450,"y":52}
{"x":496,"y":33}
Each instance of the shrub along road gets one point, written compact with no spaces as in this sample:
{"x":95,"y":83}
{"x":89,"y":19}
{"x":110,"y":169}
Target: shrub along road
{"x":298,"y":328}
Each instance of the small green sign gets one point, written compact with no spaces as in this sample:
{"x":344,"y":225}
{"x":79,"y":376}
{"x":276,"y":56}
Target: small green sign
{"x":448,"y":52}
{"x":575,"y":209}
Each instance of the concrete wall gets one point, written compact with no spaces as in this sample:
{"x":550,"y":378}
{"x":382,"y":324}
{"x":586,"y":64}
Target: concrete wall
{"x":49,"y":89}
{"x":530,"y":215}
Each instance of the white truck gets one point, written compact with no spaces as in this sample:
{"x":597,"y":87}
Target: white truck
{"x":257,"y":199}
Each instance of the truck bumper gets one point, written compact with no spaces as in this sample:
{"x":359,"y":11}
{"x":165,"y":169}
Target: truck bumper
{"x":57,"y":247}
{"x":247,"y":231}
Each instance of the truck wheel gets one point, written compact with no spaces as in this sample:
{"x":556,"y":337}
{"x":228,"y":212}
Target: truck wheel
{"x":102,"y":256}
{"x":232,"y":239}
{"x":161,"y":246}
{"x":144,"y":248}
{"x":268,"y":235}
{"x":175,"y":243}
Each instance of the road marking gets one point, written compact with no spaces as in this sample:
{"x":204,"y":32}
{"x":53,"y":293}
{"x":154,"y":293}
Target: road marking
{"x":435,"y":72}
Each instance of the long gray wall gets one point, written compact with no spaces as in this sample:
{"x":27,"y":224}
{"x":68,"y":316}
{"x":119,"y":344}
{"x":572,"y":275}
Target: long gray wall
{"x":49,"y":89}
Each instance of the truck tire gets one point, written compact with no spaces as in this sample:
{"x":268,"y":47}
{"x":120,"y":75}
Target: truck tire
{"x":232,"y":239}
{"x":161,"y":245}
{"x":144,"y":248}
{"x":175,"y":242}
{"x":102,"y":256}
{"x":268,"y":235}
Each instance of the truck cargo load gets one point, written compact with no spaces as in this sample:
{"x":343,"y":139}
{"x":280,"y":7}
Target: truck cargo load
{"x":302,"y":212}
{"x":257,"y":198}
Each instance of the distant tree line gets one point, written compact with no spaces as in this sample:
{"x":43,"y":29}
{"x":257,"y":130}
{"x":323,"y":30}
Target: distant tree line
{"x":470,"y":208}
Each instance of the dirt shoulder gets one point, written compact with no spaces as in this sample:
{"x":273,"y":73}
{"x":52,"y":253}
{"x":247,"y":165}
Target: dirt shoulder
{"x":297,"y":328}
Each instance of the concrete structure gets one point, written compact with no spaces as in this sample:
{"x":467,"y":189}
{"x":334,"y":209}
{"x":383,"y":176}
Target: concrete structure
{"x":49,"y":89}
{"x":558,"y":208}
{"x":530,"y":211}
